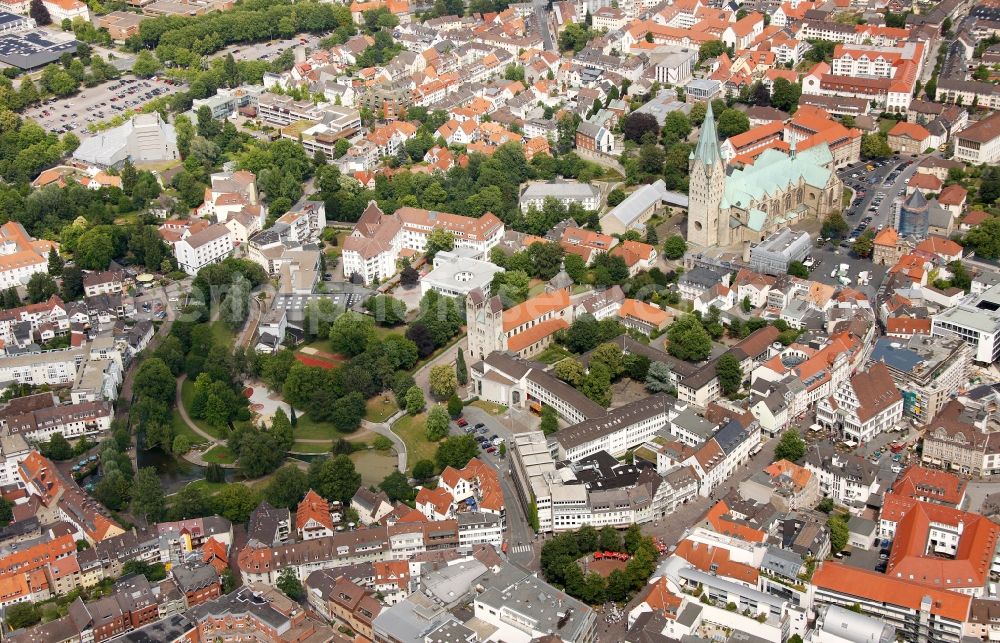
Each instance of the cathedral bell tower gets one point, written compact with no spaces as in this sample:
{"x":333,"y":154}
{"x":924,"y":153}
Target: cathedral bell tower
{"x":706,"y":226}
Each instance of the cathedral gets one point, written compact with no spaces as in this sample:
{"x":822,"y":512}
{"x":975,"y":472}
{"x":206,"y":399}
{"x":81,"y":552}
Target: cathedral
{"x":748,"y":204}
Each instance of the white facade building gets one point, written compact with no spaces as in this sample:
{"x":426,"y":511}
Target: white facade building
{"x":211,"y":245}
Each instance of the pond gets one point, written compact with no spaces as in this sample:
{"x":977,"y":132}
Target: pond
{"x":175,"y":473}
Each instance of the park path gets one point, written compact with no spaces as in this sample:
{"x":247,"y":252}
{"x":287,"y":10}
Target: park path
{"x":385,"y":428}
{"x":187,"y":418}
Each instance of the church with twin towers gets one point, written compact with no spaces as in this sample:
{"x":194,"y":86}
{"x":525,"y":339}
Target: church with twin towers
{"x":742,"y":206}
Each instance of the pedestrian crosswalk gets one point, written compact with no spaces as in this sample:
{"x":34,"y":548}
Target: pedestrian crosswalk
{"x":519,"y":549}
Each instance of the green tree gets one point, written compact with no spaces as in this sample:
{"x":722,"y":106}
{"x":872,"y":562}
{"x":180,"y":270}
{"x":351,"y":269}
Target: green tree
{"x":423,"y":470}
{"x":40,"y":287}
{"x":20,"y":615}
{"x":711,"y":49}
{"x":437,"y":423}
{"x":839,"y":533}
{"x":730,"y":375}
{"x":825,"y":505}
{"x":351,"y":332}
{"x":235,"y":502}
{"x":398,"y":488}
{"x":688,"y":339}
{"x":443,"y":381}
{"x":785,"y":95}
{"x":414,"y":400}
{"x":797,"y":269}
{"x":147,"y":495}
{"x":454,"y":406}
{"x":611,"y":356}
{"x":569,"y":370}
{"x":597,"y":384}
{"x":58,"y":448}
{"x":732,"y":122}
{"x":461,"y":371}
{"x":288,"y":486}
{"x":677,"y":126}
{"x":674,"y":247}
{"x":875,"y":146}
{"x":55,"y":263}
{"x":864,"y":244}
{"x":145,"y":65}
{"x":6,"y":512}
{"x":550,"y":420}
{"x":745,"y":304}
{"x":387,"y":310}
{"x":334,"y":478}
{"x":290,"y":585}
{"x":456,"y":451}
{"x":790,"y":446}
{"x":438,"y":240}
{"x":834,"y":226}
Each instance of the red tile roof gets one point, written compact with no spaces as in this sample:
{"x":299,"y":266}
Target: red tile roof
{"x":871,"y":586}
{"x":931,"y":485}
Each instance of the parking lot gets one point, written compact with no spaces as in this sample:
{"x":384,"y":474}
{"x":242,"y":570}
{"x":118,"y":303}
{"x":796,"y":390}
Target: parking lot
{"x":157,"y":303}
{"x":97,"y":104}
{"x":268,"y":50}
{"x":875,"y":191}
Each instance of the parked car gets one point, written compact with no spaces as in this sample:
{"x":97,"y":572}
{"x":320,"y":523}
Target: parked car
{"x":461,"y":421}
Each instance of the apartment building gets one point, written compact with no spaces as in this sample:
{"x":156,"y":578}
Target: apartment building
{"x":917,"y":611}
{"x":70,"y":420}
{"x":211,"y":245}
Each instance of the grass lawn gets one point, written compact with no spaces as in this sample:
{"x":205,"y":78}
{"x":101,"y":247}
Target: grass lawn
{"x":554,"y":353}
{"x":886,"y":124}
{"x":380,"y":409}
{"x":489,"y":407}
{"x":181,"y":428}
{"x":187,"y":395}
{"x":221,"y":335}
{"x":411,"y":430}
{"x":208,"y":488}
{"x":320,"y":344}
{"x":219,"y":454}
{"x":373,"y":465}
{"x":383,"y":331}
{"x":309,"y":447}
{"x":307,"y":429}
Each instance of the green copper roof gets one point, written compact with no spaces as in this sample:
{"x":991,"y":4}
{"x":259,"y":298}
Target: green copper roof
{"x":756,"y":220}
{"x":774,"y":172}
{"x":708,"y":150}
